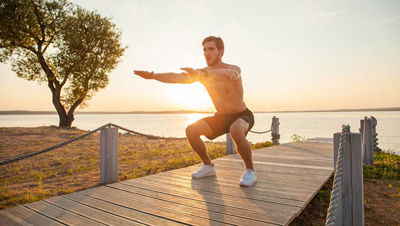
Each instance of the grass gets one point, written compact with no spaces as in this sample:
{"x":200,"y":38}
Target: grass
{"x":76,"y":166}
{"x":387,"y":166}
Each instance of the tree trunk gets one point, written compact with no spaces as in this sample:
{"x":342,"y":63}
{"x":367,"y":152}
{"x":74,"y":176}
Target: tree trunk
{"x":65,"y":121}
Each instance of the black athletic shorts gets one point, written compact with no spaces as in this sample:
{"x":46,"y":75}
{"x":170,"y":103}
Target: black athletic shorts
{"x":220,"y":123}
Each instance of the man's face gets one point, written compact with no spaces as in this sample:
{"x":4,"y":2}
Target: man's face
{"x":211,"y":53}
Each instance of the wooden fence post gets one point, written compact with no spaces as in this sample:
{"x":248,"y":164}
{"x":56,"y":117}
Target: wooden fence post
{"x":230,"y":145}
{"x":108,"y":155}
{"x":275,"y":130}
{"x":368,"y":144}
{"x":350,"y":209}
{"x":375,"y":134}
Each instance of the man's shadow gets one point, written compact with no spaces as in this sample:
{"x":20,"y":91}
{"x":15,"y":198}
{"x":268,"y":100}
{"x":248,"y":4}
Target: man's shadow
{"x":210,"y":190}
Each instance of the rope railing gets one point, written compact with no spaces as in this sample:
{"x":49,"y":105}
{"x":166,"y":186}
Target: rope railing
{"x":19,"y":158}
{"x":330,"y":220}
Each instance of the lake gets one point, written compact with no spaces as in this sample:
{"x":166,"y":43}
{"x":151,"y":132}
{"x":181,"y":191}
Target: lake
{"x":307,"y":124}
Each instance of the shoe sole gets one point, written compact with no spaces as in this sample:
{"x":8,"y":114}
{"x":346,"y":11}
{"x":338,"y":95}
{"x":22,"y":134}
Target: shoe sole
{"x":247,"y":185}
{"x":204,"y":176}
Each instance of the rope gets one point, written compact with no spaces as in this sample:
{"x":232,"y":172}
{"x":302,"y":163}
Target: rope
{"x":146,"y":135}
{"x":275,"y":136}
{"x":330,"y":219}
{"x":80,"y":137}
{"x":251,"y":131}
{"x":50,"y":148}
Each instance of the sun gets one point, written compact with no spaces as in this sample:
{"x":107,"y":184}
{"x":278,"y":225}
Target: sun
{"x":191,"y":97}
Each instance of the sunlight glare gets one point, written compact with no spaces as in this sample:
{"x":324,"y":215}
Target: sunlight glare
{"x":191,"y":97}
{"x":194,"y":117}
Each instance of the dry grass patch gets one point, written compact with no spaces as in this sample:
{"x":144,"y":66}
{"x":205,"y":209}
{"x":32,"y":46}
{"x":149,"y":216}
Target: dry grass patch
{"x":76,"y":166}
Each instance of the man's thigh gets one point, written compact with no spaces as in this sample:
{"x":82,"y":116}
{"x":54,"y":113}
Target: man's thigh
{"x":240,"y":125}
{"x":202,"y":128}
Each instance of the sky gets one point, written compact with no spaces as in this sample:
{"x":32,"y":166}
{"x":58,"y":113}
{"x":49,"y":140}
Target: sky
{"x":294,"y":55}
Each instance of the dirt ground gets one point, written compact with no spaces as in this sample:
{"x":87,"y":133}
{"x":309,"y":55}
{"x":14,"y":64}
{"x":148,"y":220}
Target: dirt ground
{"x":381,"y":205}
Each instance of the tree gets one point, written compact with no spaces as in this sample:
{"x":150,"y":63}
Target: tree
{"x":55,"y":42}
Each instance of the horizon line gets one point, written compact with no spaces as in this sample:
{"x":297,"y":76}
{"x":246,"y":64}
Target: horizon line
{"x":17,"y":112}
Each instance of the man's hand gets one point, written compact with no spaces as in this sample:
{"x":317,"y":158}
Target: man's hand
{"x":144,"y":74}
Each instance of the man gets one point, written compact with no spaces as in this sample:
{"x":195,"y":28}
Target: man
{"x":224,"y":85}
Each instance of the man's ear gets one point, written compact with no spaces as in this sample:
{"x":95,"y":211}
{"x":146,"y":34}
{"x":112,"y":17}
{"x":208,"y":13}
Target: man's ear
{"x":221,"y":52}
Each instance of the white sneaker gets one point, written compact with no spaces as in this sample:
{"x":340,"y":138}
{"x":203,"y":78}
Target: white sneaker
{"x":204,"y":171}
{"x":248,"y":178}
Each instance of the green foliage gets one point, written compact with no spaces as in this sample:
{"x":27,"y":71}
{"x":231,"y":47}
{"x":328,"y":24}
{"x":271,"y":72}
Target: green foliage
{"x":71,"y":49}
{"x":296,"y":138}
{"x":387,"y":166}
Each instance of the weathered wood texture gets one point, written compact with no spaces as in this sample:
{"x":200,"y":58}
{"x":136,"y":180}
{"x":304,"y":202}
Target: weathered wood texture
{"x":230,"y":145}
{"x":275,"y":130}
{"x":289,"y":176}
{"x":350,"y":210}
{"x":108,"y":155}
{"x":367,"y":134}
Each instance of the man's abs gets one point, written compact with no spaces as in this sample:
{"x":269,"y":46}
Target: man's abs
{"x":226,"y":96}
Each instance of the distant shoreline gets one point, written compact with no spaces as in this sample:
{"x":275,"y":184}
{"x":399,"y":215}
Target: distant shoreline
{"x":22,"y":112}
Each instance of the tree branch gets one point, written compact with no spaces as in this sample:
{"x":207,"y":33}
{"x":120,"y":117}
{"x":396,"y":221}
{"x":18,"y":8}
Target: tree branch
{"x":75,"y":105}
{"x":41,"y":25}
{"x":49,"y":42}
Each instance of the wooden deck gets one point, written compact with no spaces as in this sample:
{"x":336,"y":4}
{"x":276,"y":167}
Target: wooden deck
{"x":289,"y":176}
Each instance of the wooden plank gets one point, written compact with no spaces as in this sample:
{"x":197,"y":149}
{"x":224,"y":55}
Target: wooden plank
{"x":238,"y":167}
{"x":271,"y":215}
{"x":217,"y":198}
{"x":263,"y":179}
{"x":217,"y":181}
{"x":90,"y":212}
{"x":289,"y":157}
{"x":149,"y":208}
{"x":298,"y":160}
{"x":181,"y":208}
{"x":7,"y":219}
{"x":25,"y":216}
{"x":121,"y":211}
{"x":254,"y":190}
{"x":217,"y":193}
{"x":282,"y":164}
{"x":60,"y":215}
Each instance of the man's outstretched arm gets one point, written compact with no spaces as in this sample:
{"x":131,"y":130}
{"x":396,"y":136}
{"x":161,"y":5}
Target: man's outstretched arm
{"x":232,"y":73}
{"x":182,"y":78}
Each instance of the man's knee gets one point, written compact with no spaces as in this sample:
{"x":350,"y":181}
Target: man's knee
{"x":192,"y":130}
{"x":189,"y":130}
{"x":237,"y":131}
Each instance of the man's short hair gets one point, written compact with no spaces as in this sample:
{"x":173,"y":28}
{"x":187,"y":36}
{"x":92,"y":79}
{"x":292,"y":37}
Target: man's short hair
{"x":218,"y":41}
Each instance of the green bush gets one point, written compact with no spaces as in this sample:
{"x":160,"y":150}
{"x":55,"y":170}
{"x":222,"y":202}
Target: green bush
{"x":387,"y":166}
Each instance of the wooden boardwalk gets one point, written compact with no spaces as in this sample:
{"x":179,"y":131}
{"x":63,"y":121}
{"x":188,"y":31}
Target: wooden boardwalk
{"x":289,"y":176}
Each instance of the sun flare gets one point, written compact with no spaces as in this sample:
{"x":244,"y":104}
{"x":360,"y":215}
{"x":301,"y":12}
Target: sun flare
{"x":191,"y":97}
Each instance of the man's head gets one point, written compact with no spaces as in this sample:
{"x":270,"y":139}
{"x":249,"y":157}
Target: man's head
{"x":213,"y":48}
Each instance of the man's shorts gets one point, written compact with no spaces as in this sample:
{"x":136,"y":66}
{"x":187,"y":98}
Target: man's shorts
{"x":220,"y":123}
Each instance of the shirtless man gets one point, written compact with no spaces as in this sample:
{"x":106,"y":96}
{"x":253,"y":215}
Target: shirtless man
{"x":224,"y":85}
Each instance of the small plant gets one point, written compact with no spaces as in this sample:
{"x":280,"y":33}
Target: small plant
{"x":261,"y":145}
{"x":5,"y":186}
{"x":296,"y":138}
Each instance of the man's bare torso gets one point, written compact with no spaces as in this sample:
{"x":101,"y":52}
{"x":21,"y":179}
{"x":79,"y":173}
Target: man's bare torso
{"x":227,"y":96}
